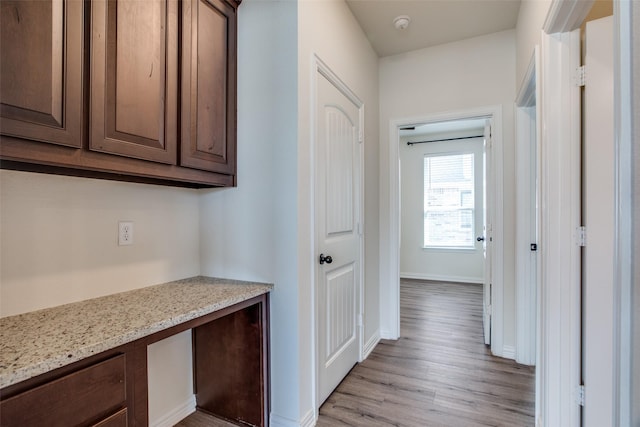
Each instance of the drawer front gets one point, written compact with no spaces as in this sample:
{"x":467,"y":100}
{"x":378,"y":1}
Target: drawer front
{"x":76,"y":399}
{"x":119,"y":419}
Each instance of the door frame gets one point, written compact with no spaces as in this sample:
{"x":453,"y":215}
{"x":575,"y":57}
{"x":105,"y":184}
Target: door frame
{"x":559,"y":352}
{"x":527,"y":275}
{"x":390,"y":280}
{"x":626,"y":355}
{"x":320,"y":67}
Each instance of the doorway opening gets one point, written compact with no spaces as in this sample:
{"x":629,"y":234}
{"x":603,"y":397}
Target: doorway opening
{"x":494,"y":183}
{"x":445,"y":229}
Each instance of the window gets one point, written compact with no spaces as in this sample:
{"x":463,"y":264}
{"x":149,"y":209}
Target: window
{"x":449,"y":201}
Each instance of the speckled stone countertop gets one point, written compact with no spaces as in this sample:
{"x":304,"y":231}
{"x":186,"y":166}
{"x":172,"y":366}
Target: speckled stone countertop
{"x":41,"y":341}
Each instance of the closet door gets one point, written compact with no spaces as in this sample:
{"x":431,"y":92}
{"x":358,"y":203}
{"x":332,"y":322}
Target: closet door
{"x":134,"y":79}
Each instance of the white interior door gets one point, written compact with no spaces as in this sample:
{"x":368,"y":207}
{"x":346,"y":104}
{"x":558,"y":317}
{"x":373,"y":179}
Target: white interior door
{"x":486,"y":237}
{"x":337,"y":210}
{"x":599,"y":223}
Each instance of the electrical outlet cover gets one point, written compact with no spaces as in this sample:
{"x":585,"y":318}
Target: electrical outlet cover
{"x":125,"y":233}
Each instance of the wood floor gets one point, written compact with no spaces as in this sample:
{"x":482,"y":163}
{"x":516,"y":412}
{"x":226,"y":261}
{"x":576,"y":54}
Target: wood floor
{"x":200,"y":419}
{"x":439,"y":373}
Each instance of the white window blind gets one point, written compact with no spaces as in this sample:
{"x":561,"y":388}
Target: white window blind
{"x":449,"y":201}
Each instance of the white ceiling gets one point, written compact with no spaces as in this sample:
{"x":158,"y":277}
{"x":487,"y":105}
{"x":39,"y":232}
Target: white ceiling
{"x":433,"y":22}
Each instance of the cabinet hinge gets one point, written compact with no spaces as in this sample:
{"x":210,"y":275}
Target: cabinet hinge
{"x":579,"y":395}
{"x":580,"y":76}
{"x":581,"y":236}
{"x":360,"y":320}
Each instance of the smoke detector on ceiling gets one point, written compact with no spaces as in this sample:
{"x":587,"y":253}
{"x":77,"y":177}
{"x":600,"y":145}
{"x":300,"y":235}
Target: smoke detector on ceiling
{"x":401,"y":22}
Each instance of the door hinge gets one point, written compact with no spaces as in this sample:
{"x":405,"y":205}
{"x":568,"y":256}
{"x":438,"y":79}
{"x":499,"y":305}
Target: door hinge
{"x":360,"y":320}
{"x":359,"y":229}
{"x":580,"y":395}
{"x":581,"y":236}
{"x":580,"y":76}
{"x":360,"y":135}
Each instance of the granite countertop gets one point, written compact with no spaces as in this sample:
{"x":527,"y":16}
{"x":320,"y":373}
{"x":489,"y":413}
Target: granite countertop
{"x":41,"y":341}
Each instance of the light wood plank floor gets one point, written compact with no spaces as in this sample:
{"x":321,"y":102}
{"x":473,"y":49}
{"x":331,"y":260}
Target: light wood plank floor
{"x":200,"y":419}
{"x":439,"y":373}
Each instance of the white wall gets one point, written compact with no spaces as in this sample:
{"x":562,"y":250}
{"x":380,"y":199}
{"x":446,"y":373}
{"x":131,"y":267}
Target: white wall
{"x":472,"y":73}
{"x":170,"y":371}
{"x":417,"y":262}
{"x":59,"y":241}
{"x":58,"y":244}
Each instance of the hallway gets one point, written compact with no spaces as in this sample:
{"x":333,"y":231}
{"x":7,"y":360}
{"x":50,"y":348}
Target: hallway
{"x":439,"y":373}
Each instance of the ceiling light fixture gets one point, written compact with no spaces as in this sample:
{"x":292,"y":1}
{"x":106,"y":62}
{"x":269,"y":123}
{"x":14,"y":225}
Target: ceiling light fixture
{"x":401,"y":22}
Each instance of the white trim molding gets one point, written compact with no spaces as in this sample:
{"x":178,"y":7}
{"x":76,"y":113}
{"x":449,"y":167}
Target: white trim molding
{"x":390,"y":273}
{"x":626,"y":356}
{"x":527,"y":213}
{"x":309,"y":420}
{"x":178,"y":414}
{"x":509,"y":352}
{"x":370,"y":345}
{"x":558,"y":369}
{"x":566,"y":15}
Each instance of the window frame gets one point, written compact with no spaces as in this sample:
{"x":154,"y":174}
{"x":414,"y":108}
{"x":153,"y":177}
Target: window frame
{"x":451,"y":248}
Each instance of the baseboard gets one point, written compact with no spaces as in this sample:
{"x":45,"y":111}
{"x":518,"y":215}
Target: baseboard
{"x":178,"y":414}
{"x":509,"y":352}
{"x":309,"y":420}
{"x":370,"y":345}
{"x":387,"y":335}
{"x":441,"y":278}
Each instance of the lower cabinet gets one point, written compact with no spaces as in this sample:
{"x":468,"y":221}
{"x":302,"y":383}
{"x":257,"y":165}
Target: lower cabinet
{"x":230,"y":371}
{"x":95,"y":395}
{"x":231,"y":377}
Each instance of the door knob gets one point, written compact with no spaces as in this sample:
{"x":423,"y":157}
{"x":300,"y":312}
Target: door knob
{"x":326,"y":259}
{"x":480,"y":238}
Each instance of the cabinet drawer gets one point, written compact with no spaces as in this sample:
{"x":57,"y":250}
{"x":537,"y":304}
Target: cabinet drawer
{"x":119,"y":419}
{"x":80,"y":398}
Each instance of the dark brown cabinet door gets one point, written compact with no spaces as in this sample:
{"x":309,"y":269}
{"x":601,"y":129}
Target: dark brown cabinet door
{"x":134,"y":79}
{"x":41,"y":70}
{"x":209,"y":85}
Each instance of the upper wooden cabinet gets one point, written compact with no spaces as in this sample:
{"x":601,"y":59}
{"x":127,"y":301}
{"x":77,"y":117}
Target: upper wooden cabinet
{"x":145,"y":89}
{"x":134,"y":79}
{"x":41,"y":70}
{"x":209,"y":85}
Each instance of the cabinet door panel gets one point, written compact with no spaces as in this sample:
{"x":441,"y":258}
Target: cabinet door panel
{"x":41,"y":70}
{"x":134,"y":79}
{"x":72,"y":400}
{"x":209,"y":86}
